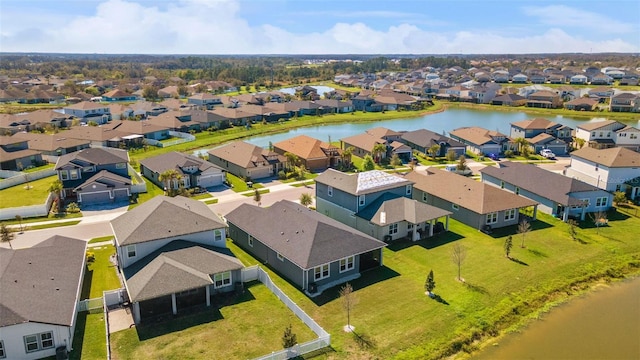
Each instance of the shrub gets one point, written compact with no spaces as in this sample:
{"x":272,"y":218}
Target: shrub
{"x":73,"y":208}
{"x":91,"y":257}
{"x":282,"y":175}
{"x":508,"y":153}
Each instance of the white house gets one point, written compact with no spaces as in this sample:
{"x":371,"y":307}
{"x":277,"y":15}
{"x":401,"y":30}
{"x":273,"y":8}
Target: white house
{"x":599,"y":134}
{"x":614,"y":169}
{"x":40,"y":288}
{"x":628,"y":137}
{"x":89,"y":111}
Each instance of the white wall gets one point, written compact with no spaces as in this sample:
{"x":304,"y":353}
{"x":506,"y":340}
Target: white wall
{"x":604,"y":178}
{"x":13,"y":338}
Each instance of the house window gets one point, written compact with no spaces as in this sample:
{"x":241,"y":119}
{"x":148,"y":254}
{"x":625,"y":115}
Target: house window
{"x":424,"y":196}
{"x":501,"y":184}
{"x":131,"y":251}
{"x":321,"y":272}
{"x":601,"y":202}
{"x":409,"y":226}
{"x":492,"y":218}
{"x":633,"y":136}
{"x":586,"y":202}
{"x":87,"y":169}
{"x":393,"y":229}
{"x":455,"y":206}
{"x":121,"y":165}
{"x":3,"y":354}
{"x":517,"y":190}
{"x":38,"y":342}
{"x":408,"y":187}
{"x":250,"y":241}
{"x":347,"y":264}
{"x":618,"y":187}
{"x":64,"y":175}
{"x":222,"y":279}
{"x":280,"y":257}
{"x":330,"y":191}
{"x":593,"y":134}
{"x":217,"y":235}
{"x":361,"y":200}
{"x":509,"y":214}
{"x":608,"y":134}
{"x":74,"y":174}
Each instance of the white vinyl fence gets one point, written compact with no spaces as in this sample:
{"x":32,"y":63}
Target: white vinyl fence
{"x":89,"y":304}
{"x":27,"y":211}
{"x":323,"y":340}
{"x":138,"y":184}
{"x":182,"y":138}
{"x":17,"y":178}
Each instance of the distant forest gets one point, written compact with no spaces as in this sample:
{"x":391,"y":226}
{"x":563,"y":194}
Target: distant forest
{"x":242,"y":70}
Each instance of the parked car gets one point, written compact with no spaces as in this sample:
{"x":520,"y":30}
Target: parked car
{"x":547,"y":154}
{"x":454,"y":168}
{"x":493,"y":156}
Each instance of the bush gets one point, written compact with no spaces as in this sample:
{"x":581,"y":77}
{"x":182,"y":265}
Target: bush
{"x":508,"y":153}
{"x":73,"y":208}
{"x":91,"y":257}
{"x":282,"y":175}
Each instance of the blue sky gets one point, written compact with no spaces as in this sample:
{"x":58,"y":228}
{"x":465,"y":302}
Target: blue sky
{"x":319,"y":26}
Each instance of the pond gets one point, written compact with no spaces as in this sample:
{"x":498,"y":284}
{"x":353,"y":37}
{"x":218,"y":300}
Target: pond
{"x":604,"y":324}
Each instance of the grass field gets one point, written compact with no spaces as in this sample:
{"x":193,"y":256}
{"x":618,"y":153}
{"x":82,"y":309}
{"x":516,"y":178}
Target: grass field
{"x":101,"y":273}
{"x":152,"y":191}
{"x":244,"y":327}
{"x":498,"y":294}
{"x":19,"y":195}
{"x":89,"y":337}
{"x":239,"y":185}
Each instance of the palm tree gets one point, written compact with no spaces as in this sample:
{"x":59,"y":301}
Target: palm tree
{"x":433,"y":151}
{"x":346,"y":155}
{"x":168,"y":177}
{"x":56,"y":189}
{"x":521,"y":143}
{"x":379,"y":150}
{"x":6,"y":235}
{"x":306,"y":199}
{"x":292,"y":159}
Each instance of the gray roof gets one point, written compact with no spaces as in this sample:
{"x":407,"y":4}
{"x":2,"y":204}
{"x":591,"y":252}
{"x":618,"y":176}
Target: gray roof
{"x":178,"y":266}
{"x":547,"y":184}
{"x":176,"y":161}
{"x":106,"y":178}
{"x":95,"y":156}
{"x":391,"y":208}
{"x":303,"y":236}
{"x":164,"y":217}
{"x":427,"y":138}
{"x":363,"y":182}
{"x":41,"y":283}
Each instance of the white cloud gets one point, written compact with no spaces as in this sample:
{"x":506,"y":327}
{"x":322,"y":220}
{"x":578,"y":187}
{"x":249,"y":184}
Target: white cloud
{"x":215,"y":27}
{"x":565,"y":16}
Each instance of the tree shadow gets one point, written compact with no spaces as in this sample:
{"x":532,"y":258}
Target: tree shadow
{"x":436,"y":240}
{"x":439,"y":299}
{"x":537,"y":253}
{"x":517,"y":261}
{"x":364,"y":341}
{"x":86,"y":284}
{"x":513,"y":229}
{"x":476,"y":288}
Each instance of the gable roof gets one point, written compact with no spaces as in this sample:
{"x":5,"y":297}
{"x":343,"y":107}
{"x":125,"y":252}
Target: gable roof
{"x":550,"y":185}
{"x":615,"y":157}
{"x":245,"y":155}
{"x":41,"y":283}
{"x":116,"y":93}
{"x":105,"y":178}
{"x":598,"y":125}
{"x":364,"y":141}
{"x":95,"y":156}
{"x":544,"y":138}
{"x":363,"y":182}
{"x":470,"y":194}
{"x":87,"y":105}
{"x":537,"y":123}
{"x":177,"y":161}
{"x":164,"y":217}
{"x":305,"y":147}
{"x":44,"y":142}
{"x":427,"y":138}
{"x":392,"y":208}
{"x":303,"y":236}
{"x":178,"y":266}
{"x":382,"y":132}
{"x":476,"y":135}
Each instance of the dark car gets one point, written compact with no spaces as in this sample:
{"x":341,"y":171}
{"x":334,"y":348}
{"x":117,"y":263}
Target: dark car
{"x":493,"y":156}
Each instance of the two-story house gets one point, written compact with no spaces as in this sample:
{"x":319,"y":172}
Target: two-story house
{"x":482,"y":141}
{"x":600,"y":134}
{"x":95,"y":175}
{"x":88,"y":111}
{"x":207,"y":100}
{"x":421,"y":140}
{"x":544,"y":99}
{"x":613,"y":169}
{"x":557,"y":137}
{"x":172,"y":255}
{"x":313,"y":154}
{"x":192,"y":171}
{"x":625,"y":102}
{"x":247,"y":161}
{"x":378,"y":204}
{"x":15,"y":154}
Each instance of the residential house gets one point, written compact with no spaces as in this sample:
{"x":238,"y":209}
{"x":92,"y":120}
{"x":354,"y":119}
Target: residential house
{"x":481,"y":141}
{"x":509,"y":100}
{"x":88,"y":111}
{"x":207,"y":100}
{"x":366,"y":103}
{"x":118,"y":95}
{"x":52,"y":146}
{"x":473,"y":203}
{"x":628,"y":137}
{"x":600,"y":134}
{"x":519,"y":79}
{"x":144,"y":109}
{"x":421,"y":140}
{"x":485,"y":93}
{"x":558,"y":195}
{"x":169,"y":92}
{"x":578,"y":79}
{"x":543,"y":134}
{"x":363,"y":144}
{"x":41,"y":286}
{"x":601,"y":79}
{"x":236,"y":116}
{"x":192,"y":171}
{"x":311,"y":250}
{"x":582,"y":104}
{"x":613,"y":169}
{"x":314,"y":154}
{"x":247,"y":161}
{"x":377,"y":203}
{"x":43,"y":119}
{"x":172,"y":255}
{"x":544,"y":99}
{"x":625,"y":102}
{"x":138,"y":130}
{"x":336,"y":106}
{"x":95,"y":175}
{"x":550,"y":142}
{"x":101,"y":136}
{"x":602,"y":93}
{"x":15,"y":154}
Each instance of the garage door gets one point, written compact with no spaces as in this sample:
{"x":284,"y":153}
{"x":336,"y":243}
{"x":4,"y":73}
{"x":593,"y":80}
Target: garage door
{"x":211,"y":180}
{"x":94,"y":198}
{"x":121,"y":194}
{"x":558,"y":150}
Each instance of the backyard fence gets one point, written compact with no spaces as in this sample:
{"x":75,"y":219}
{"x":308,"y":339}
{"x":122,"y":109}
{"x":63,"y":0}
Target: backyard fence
{"x":89,"y":304}
{"x":138,"y":185}
{"x":13,"y":178}
{"x":183,"y":138}
{"x":27,"y":211}
{"x":323,"y":340}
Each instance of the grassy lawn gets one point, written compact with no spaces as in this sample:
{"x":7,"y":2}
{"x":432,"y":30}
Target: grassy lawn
{"x":239,"y":185}
{"x":211,"y":201}
{"x":50,"y":217}
{"x":202,"y":196}
{"x":307,"y":176}
{"x":39,"y":168}
{"x":89,"y":337}
{"x":20,"y":196}
{"x":101,"y":239}
{"x":498,"y":294}
{"x":53,"y":225}
{"x":152,"y":191}
{"x":306,"y":183}
{"x":243,"y":327}
{"x":100,"y":274}
{"x":260,"y":191}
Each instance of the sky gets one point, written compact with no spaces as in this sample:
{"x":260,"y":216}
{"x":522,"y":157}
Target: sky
{"x":225,"y":27}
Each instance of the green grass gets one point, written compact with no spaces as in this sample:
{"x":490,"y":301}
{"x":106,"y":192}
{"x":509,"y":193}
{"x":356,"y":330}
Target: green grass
{"x":101,"y":239}
{"x":239,"y":185}
{"x":498,"y":294}
{"x":260,"y":191}
{"x":211,"y":201}
{"x":89,"y":337}
{"x":100,"y":274}
{"x":306,"y":183}
{"x":52,"y":225}
{"x":39,"y":168}
{"x":202,"y":196}
{"x":19,"y":195}
{"x":50,"y":217}
{"x":307,"y":176}
{"x":244,"y":327}
{"x":152,"y":191}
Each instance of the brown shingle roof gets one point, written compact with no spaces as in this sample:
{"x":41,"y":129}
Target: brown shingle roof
{"x":175,"y":160}
{"x":612,"y":157}
{"x":44,"y":142}
{"x":305,"y":147}
{"x":245,"y":155}
{"x":476,"y":135}
{"x":537,"y":123}
{"x":96,"y":156}
{"x":596,"y":125}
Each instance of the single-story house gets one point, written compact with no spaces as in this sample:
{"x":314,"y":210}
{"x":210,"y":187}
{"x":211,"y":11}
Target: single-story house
{"x":247,"y":161}
{"x":423,"y":139}
{"x":481,"y":141}
{"x":313,"y":154}
{"x":193,"y":171}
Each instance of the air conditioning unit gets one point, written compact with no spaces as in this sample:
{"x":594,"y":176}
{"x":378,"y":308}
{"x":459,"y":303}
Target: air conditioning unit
{"x":313,"y":288}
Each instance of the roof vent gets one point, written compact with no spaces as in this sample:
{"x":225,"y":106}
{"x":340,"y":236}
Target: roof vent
{"x":281,"y":232}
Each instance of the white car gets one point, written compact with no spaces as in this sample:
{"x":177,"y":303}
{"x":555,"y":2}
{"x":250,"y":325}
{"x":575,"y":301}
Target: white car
{"x":547,"y":153}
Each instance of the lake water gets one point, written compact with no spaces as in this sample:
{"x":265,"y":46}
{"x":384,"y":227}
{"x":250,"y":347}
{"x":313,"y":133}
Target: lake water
{"x":604,"y":324}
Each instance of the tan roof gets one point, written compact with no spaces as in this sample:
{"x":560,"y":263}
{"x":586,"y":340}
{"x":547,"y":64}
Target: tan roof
{"x":244,"y":154}
{"x":596,"y":125}
{"x":86,"y":105}
{"x":116,"y":94}
{"x":381,"y":132}
{"x":44,"y":142}
{"x":363,"y":182}
{"x":465,"y":192}
{"x":476,"y":135}
{"x":137,"y":127}
{"x":580,"y":101}
{"x":363,"y":141}
{"x":305,"y":147}
{"x":232,"y":113}
{"x":537,"y":123}
{"x":612,"y":157}
{"x":93,"y":133}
